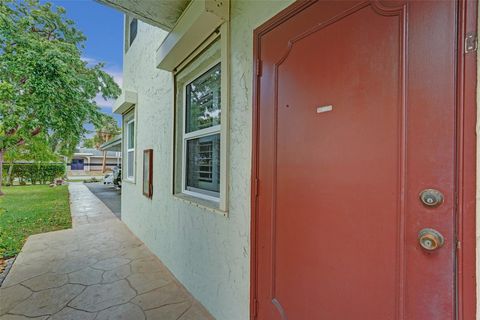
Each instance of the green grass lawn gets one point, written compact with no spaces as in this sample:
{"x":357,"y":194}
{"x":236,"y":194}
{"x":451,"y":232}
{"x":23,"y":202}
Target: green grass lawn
{"x":27,"y":210}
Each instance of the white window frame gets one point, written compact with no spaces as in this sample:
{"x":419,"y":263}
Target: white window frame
{"x":216,"y":129}
{"x":126,"y":34}
{"x":218,"y":203}
{"x":128,"y":150}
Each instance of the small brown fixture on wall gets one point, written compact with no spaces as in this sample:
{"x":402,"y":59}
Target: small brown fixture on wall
{"x":147,"y":173}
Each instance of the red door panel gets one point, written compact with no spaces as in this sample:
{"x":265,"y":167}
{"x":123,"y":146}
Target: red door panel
{"x":357,"y":117}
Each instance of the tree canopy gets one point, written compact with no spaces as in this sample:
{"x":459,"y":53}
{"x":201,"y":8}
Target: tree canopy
{"x":46,"y":90}
{"x":103,"y":133}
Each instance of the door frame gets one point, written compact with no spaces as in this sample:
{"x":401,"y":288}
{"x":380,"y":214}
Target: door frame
{"x":466,"y":150}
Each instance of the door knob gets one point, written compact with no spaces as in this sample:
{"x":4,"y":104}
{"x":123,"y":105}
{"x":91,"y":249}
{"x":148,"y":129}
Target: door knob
{"x":431,"y":197}
{"x":430,"y":239}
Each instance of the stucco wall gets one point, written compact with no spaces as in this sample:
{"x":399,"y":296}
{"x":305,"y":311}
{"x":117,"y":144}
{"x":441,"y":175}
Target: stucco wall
{"x":95,"y":163}
{"x":207,"y":252}
{"x":478,"y":174}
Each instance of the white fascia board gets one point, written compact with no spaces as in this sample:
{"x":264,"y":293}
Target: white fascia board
{"x":125,"y":101}
{"x":160,"y":13}
{"x":197,"y":23}
{"x":114,"y":144}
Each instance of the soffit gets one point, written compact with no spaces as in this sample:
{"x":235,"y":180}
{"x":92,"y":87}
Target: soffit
{"x":161,"y":13}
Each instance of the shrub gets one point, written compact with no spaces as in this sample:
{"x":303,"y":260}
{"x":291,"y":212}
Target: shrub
{"x":91,"y":180}
{"x":40,"y":172}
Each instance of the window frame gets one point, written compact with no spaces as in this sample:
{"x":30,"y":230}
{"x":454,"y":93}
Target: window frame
{"x":215,"y":204}
{"x":130,"y":33}
{"x":126,"y":34}
{"x":210,"y":131}
{"x":126,"y":177}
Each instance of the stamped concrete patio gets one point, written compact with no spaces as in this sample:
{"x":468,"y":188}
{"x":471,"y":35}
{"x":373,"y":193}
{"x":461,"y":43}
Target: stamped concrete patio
{"x":97,"y":270}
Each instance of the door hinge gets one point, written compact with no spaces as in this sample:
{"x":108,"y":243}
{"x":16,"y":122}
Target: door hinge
{"x":256,"y":187}
{"x":470,"y":42}
{"x":259,"y":68}
{"x":255,"y":308}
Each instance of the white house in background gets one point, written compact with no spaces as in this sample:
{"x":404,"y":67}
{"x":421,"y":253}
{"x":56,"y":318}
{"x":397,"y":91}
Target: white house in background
{"x":305,"y":160}
{"x":114,"y":144}
{"x":86,"y":161}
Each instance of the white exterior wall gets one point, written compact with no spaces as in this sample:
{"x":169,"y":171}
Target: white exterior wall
{"x":92,"y":163}
{"x":207,"y":252}
{"x":478,"y":174}
{"x":96,"y":163}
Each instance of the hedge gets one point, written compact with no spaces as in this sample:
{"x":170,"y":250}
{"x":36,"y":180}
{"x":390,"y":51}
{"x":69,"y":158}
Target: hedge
{"x":34,"y":173}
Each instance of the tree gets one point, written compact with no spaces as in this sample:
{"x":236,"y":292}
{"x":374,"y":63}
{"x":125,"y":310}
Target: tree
{"x":108,"y":130}
{"x":89,"y":143}
{"x":45,"y":87}
{"x":104,"y":132}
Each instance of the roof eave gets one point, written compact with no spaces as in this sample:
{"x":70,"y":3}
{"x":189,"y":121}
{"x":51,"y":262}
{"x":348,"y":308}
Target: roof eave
{"x":114,"y":144}
{"x":160,"y":13}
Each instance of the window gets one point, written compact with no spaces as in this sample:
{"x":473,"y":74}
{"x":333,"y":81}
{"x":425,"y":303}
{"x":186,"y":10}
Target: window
{"x":200,"y":129}
{"x":133,"y":30}
{"x":130,"y":150}
{"x":202,"y":135}
{"x":130,"y":31}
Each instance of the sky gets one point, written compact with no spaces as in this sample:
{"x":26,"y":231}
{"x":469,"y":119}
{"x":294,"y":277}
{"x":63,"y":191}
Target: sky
{"x":103,"y":27}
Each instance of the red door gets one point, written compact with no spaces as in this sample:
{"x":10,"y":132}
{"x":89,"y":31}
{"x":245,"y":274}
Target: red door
{"x":356,"y":117}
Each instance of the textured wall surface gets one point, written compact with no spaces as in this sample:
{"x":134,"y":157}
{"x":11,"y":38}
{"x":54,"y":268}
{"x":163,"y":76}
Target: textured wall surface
{"x":207,"y":252}
{"x":478,"y":175}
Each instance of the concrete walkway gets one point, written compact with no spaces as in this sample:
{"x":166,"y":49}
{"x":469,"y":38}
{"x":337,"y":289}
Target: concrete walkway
{"x":97,"y":270}
{"x":109,"y":195}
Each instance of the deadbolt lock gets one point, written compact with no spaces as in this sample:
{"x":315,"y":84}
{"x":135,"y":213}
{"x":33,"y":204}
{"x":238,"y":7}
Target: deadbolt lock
{"x":430,"y":239}
{"x":431,"y":197}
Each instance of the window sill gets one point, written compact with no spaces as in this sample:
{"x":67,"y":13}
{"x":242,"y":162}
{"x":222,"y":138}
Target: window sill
{"x":207,"y":205}
{"x":131,"y":181}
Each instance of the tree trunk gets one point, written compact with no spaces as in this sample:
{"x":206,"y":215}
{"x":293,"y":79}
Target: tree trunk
{"x":104,"y":162}
{"x":1,"y":171}
{"x":9,"y":175}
